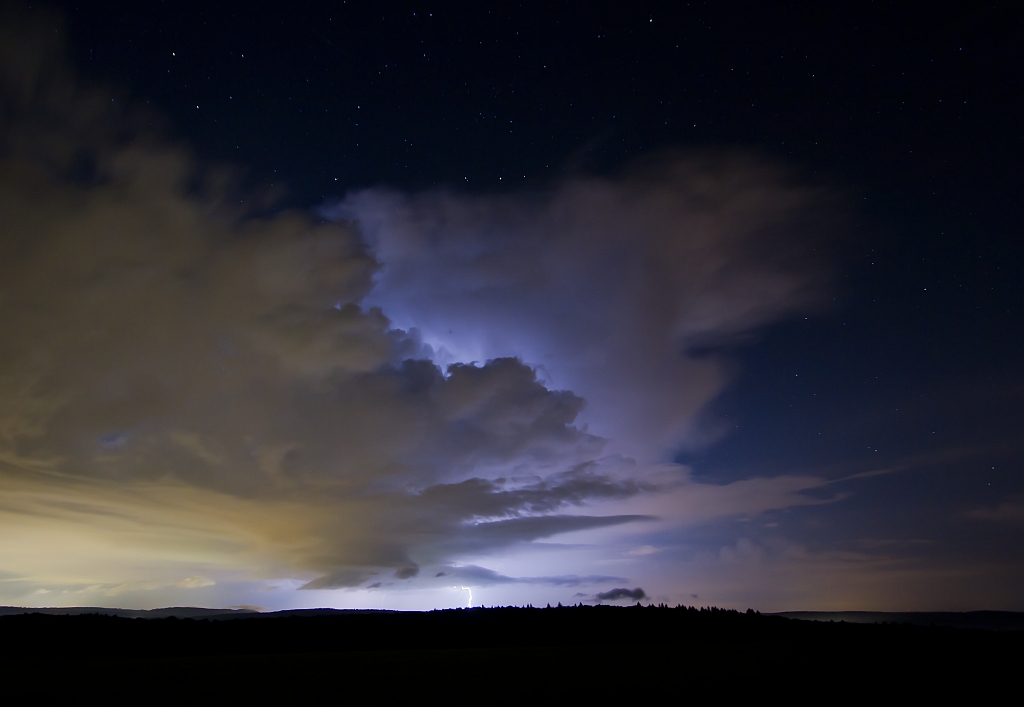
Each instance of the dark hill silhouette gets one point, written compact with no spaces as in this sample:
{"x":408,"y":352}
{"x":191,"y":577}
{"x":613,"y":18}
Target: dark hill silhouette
{"x":986,"y":620}
{"x":180,"y":612}
{"x":494,"y":655}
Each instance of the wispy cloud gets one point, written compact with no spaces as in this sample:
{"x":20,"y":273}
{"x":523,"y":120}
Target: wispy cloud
{"x":481,"y":576}
{"x":1009,"y":512}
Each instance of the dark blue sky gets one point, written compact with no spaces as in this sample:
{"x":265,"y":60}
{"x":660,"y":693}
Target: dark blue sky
{"x":907,"y":371}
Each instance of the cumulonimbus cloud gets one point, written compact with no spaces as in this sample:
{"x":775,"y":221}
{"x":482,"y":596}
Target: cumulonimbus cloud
{"x":163,"y":352}
{"x":620,"y":288}
{"x":186,"y":388}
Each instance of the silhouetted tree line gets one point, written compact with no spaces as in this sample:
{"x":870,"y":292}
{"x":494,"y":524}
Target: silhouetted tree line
{"x":500,"y":654}
{"x":660,"y":627}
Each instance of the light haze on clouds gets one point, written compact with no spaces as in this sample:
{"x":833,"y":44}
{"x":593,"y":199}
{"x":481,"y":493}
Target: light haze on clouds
{"x":203,"y":406}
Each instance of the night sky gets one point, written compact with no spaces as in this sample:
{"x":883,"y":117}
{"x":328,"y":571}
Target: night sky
{"x":412,"y":305}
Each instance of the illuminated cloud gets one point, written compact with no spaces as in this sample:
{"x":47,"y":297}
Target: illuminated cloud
{"x":185,"y":387}
{"x":192,"y":395}
{"x":483,"y":577}
{"x":622,"y":289}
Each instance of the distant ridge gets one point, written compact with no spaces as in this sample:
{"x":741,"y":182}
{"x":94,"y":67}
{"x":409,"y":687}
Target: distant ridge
{"x":178,"y":612}
{"x":985,"y":620}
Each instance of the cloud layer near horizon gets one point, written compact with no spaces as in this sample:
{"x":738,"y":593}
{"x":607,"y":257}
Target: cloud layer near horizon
{"x":187,"y":389}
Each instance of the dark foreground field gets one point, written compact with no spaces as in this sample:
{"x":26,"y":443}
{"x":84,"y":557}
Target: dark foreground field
{"x":497,"y":655}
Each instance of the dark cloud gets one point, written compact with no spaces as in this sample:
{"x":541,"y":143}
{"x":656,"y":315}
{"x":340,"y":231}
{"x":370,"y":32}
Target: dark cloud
{"x":622,"y":593}
{"x":531,"y":528}
{"x":346,"y":577}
